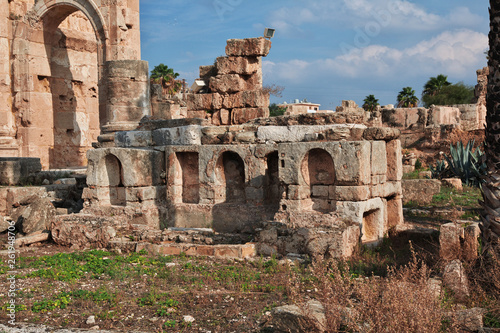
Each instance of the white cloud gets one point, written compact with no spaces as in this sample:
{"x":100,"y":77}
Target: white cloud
{"x":455,"y":53}
{"x":391,"y":16}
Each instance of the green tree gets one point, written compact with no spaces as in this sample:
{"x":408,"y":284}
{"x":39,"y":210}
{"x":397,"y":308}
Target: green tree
{"x":166,"y":76}
{"x":490,"y":226}
{"x":458,"y":93}
{"x":370,"y":103}
{"x":275,"y":110}
{"x":435,"y":84}
{"x":407,"y":98}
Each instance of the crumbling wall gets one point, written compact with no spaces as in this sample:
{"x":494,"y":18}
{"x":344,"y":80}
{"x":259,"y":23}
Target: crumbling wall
{"x":51,"y":78}
{"x":229,"y":91}
{"x":233,"y":178}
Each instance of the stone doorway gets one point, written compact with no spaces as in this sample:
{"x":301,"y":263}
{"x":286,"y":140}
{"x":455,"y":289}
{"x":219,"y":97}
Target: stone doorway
{"x":319,"y":173}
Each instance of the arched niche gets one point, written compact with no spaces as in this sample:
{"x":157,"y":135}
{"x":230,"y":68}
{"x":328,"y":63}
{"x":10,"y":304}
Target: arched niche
{"x":318,"y":172}
{"x":231,"y":177}
{"x":111,"y":178}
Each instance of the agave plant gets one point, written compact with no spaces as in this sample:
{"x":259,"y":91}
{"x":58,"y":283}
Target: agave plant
{"x":466,"y":164}
{"x":440,"y":170}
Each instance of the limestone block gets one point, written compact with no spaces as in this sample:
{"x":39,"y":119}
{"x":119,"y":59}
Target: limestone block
{"x":208,"y":71}
{"x":352,"y":163}
{"x":241,"y":116}
{"x":126,"y":166}
{"x":248,"y":47}
{"x":183,"y":135}
{"x":455,"y":278}
{"x":34,"y":214}
{"x":297,"y":133}
{"x":395,"y":211}
{"x":225,"y":117}
{"x":420,"y":190}
{"x":250,"y":99}
{"x":386,"y":190}
{"x":320,"y":191}
{"x":197,"y":102}
{"x":232,"y":83}
{"x":381,"y":133}
{"x":449,"y":241}
{"x":15,"y":169}
{"x":140,"y":194}
{"x":237,"y":65}
{"x":371,"y":215}
{"x":455,"y":183}
{"x":351,"y":193}
{"x":133,"y":139}
{"x":298,"y":192}
{"x":379,"y":158}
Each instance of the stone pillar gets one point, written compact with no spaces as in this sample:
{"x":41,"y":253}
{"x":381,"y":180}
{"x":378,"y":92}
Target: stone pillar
{"x":127,"y":94}
{"x":8,"y":143}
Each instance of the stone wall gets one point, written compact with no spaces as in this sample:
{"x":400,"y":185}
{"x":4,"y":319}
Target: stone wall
{"x":232,"y":178}
{"x":52,"y":86}
{"x":232,"y":91}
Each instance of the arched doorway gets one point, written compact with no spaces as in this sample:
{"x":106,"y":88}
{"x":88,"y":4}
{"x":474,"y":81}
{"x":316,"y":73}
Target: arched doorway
{"x":58,"y":74}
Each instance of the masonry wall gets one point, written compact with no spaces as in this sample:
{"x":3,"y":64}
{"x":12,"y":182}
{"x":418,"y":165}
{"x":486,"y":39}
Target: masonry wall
{"x":51,"y":74}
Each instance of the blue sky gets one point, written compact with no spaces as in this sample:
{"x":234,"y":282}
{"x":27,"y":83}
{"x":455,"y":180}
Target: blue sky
{"x":326,"y":50}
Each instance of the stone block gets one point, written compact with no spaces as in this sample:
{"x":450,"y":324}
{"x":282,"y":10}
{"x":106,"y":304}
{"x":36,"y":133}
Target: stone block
{"x":379,"y":158}
{"x":227,"y":251}
{"x":320,"y":191}
{"x":395,"y":211}
{"x":208,"y":71}
{"x":133,"y":139}
{"x":241,"y":116}
{"x":353,"y":163}
{"x":351,"y":193}
{"x":15,"y":169}
{"x":449,"y":241}
{"x":381,"y":133}
{"x":197,"y":102}
{"x":183,"y":135}
{"x":386,"y":190}
{"x":249,"y":47}
{"x":420,"y":191}
{"x":232,"y":83}
{"x":298,"y":192}
{"x":455,"y":183}
{"x":168,"y":250}
{"x":455,"y":279}
{"x":246,"y":99}
{"x":237,"y":65}
{"x":125,"y":166}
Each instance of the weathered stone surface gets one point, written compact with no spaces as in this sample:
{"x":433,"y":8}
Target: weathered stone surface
{"x":449,"y":241}
{"x":184,"y":135}
{"x":249,"y":47}
{"x":351,"y":193}
{"x":133,"y":139}
{"x":83,"y":231}
{"x":237,"y":65}
{"x":295,"y":133}
{"x":470,"y":246}
{"x":455,"y":183}
{"x":246,"y":99}
{"x":455,"y":278}
{"x":470,"y":319}
{"x":35,"y":237}
{"x":14,"y":169}
{"x":34,"y":214}
{"x":4,"y":223}
{"x":394,"y":160}
{"x":379,"y":158}
{"x":241,"y":116}
{"x":386,"y":189}
{"x":381,"y":133}
{"x":125,"y":166}
{"x":307,"y":318}
{"x":420,"y":190}
{"x":233,"y":83}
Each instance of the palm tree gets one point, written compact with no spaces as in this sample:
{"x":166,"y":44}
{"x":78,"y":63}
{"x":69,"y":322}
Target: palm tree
{"x":435,"y":84}
{"x":166,"y":77}
{"x":370,"y":103}
{"x":407,"y":98}
{"x":490,"y":226}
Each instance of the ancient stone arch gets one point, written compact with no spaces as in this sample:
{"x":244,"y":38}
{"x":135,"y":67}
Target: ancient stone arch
{"x":231,"y":174}
{"x":26,"y":128}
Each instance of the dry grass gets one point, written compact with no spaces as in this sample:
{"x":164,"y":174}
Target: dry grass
{"x":400,"y":302}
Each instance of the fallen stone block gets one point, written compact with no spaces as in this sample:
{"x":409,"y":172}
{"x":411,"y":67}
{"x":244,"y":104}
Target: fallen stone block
{"x":36,"y":237}
{"x":455,"y":279}
{"x":291,"y":318}
{"x":420,"y":191}
{"x":34,"y":214}
{"x":455,"y":183}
